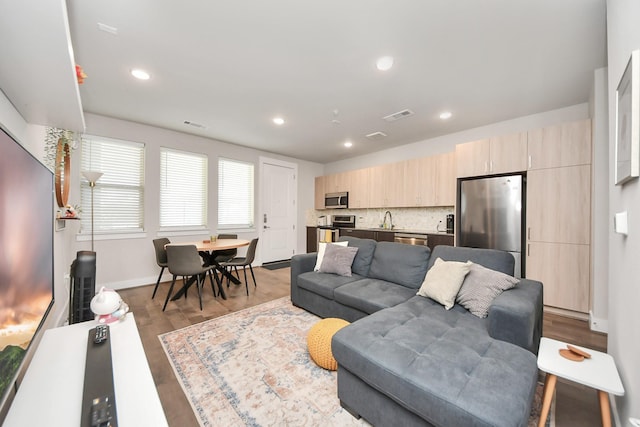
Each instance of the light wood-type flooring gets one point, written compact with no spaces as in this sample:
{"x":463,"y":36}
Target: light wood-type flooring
{"x":575,"y":405}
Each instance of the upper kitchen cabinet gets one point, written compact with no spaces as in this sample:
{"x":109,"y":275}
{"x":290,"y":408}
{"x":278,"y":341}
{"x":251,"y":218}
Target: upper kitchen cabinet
{"x":567,"y":144}
{"x":496,"y":155}
{"x":319,"y":193}
{"x":386,"y":185}
{"x":430,"y":181}
{"x":359,"y":188}
{"x":337,"y":182}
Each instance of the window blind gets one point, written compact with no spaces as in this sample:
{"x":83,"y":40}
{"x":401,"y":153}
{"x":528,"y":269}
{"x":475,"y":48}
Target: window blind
{"x":183,"y":189}
{"x":118,"y":197}
{"x":235,"y":194}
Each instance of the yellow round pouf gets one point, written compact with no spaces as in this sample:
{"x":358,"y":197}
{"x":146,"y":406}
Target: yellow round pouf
{"x":319,"y":342}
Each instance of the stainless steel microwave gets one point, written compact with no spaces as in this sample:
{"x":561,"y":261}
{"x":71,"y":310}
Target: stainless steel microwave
{"x":336,"y":200}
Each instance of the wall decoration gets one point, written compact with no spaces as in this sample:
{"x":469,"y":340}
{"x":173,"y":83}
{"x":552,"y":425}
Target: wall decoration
{"x":627,"y":122}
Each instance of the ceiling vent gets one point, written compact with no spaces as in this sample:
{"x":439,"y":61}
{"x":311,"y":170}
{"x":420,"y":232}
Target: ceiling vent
{"x":194,"y":124}
{"x":399,"y":115}
{"x":376,"y":135}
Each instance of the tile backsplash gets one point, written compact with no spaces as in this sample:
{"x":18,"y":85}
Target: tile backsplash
{"x":429,"y":219}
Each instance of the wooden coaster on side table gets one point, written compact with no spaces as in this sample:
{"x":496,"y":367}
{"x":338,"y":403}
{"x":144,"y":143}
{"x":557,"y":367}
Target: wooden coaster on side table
{"x":568,"y":354}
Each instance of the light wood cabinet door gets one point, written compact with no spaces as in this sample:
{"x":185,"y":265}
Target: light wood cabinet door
{"x":472,"y":158}
{"x":567,"y":144}
{"x":418,"y":186}
{"x":564,"y":272}
{"x":508,"y":153}
{"x":386,"y":185}
{"x":319,"y":192}
{"x":559,"y":205}
{"x":359,"y":188}
{"x":444,"y":180}
{"x":337,"y":182}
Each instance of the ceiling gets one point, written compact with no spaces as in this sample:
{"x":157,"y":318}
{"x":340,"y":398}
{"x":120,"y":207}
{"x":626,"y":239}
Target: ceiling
{"x":232,"y":66}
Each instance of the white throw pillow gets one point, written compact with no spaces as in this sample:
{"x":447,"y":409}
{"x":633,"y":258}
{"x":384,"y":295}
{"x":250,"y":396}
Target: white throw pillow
{"x":322,"y":246}
{"x":443,"y":281}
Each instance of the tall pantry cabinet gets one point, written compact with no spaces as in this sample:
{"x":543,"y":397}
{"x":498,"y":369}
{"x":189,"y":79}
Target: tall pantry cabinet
{"x":559,"y":213}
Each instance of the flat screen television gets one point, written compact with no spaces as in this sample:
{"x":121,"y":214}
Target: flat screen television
{"x":26,"y":258}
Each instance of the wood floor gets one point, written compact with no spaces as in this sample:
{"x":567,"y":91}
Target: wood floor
{"x":575,"y":405}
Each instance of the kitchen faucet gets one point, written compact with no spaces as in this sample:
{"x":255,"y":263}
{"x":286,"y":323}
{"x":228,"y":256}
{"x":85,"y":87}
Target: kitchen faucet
{"x":384,"y":223}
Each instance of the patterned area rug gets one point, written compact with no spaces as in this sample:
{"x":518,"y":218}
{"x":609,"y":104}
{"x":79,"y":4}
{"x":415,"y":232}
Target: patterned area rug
{"x":252,"y":368}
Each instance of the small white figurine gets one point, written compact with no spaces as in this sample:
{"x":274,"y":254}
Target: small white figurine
{"x":108,"y":306}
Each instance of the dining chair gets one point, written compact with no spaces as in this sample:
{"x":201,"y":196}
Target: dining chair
{"x":184,"y":260}
{"x":226,"y":255}
{"x":161,"y":259}
{"x":244,"y":262}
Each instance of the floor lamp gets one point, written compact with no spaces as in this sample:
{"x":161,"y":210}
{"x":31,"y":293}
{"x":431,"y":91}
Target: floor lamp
{"x":92,"y":177}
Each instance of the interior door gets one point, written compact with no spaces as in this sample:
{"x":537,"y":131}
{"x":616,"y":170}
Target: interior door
{"x":277,"y":220}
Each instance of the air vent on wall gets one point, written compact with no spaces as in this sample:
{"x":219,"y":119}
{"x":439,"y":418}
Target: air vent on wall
{"x":194,"y":124}
{"x":399,"y":115}
{"x":376,"y":135}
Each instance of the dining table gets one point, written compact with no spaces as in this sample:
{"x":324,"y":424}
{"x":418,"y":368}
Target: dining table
{"x":208,"y":249}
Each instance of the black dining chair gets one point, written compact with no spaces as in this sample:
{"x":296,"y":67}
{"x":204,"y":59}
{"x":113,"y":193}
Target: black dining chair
{"x":161,"y":259}
{"x":185,"y":261}
{"x":244,"y":262}
{"x":226,"y":255}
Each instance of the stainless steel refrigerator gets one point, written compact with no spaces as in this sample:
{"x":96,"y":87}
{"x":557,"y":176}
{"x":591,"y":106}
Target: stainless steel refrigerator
{"x":491,"y":215}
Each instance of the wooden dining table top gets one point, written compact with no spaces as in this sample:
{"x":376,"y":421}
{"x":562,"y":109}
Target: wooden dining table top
{"x":217,"y":245}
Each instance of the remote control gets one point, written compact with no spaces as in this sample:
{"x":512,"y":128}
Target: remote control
{"x":101,"y":334}
{"x":101,"y":412}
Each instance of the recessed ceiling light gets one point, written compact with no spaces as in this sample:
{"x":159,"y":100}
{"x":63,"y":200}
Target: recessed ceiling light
{"x":385,"y":63}
{"x":348,"y":144}
{"x":445,"y":115}
{"x":278,"y":120}
{"x":140,"y":74}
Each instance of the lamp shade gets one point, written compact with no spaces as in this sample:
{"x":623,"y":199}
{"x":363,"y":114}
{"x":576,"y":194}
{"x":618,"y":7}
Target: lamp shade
{"x":92,"y":176}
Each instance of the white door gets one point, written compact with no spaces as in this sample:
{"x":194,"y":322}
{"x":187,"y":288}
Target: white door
{"x":277,"y":220}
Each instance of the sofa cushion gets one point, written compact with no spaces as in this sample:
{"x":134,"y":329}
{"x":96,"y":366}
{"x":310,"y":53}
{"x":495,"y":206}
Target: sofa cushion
{"x":490,"y":258}
{"x":403,"y":264}
{"x":322,"y":247}
{"x":324,"y":284}
{"x":338,"y":259}
{"x":443,"y":281}
{"x":362,"y":261}
{"x":480,"y":287}
{"x":371,"y":295}
{"x":439,"y":364}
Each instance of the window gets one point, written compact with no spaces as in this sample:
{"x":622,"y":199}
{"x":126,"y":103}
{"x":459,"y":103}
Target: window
{"x":183,"y":189}
{"x":118,"y":197}
{"x":235,"y":194}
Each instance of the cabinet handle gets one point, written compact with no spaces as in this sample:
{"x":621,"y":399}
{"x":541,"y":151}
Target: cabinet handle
{"x":528,"y":249}
{"x":528,"y":233}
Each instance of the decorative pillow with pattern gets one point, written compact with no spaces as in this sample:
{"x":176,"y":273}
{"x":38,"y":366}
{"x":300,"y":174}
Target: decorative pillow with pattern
{"x":481,"y":286}
{"x":321,"y":248}
{"x":443,"y":281}
{"x":338,"y":259}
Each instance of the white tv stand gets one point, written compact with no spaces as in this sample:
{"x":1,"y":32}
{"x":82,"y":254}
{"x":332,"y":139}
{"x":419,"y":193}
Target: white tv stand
{"x":51,"y":392}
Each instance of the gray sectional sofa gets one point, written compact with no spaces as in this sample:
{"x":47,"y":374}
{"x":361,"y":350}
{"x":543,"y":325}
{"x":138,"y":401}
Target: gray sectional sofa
{"x":405,"y":360}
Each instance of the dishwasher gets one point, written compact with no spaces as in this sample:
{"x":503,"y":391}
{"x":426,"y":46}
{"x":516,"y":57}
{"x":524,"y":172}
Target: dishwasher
{"x":411,"y":239}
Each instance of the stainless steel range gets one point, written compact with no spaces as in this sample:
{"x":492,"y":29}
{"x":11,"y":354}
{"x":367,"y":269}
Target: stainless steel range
{"x":330,"y":233}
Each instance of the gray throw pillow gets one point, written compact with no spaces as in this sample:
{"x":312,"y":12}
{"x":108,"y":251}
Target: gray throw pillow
{"x":338,"y":259}
{"x":480,"y":287}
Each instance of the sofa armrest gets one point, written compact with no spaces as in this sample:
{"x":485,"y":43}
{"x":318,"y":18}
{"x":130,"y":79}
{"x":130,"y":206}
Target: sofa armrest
{"x":300,"y":263}
{"x":516,"y":315}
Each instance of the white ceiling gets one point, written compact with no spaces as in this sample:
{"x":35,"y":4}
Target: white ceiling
{"x":234,"y":65}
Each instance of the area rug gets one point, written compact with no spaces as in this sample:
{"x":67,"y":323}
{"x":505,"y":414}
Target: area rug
{"x":252,"y":368}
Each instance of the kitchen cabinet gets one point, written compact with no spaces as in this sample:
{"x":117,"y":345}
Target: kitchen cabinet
{"x":377,"y":235}
{"x":386,"y":185}
{"x":559,"y":205}
{"x":336,"y":183}
{"x":318,"y":200}
{"x":312,"y":239}
{"x":359,"y":188}
{"x":434,"y":240}
{"x":564,"y":270}
{"x":566,"y":144}
{"x":495,"y":155}
{"x":430,"y":181}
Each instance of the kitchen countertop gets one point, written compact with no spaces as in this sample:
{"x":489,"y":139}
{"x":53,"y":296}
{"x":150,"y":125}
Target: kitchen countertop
{"x":404,"y":230}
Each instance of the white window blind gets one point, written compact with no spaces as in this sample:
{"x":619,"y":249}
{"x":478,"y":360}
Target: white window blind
{"x":118,"y":197}
{"x":183,"y":189}
{"x":235,"y":194}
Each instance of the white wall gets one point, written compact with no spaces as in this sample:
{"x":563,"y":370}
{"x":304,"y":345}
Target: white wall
{"x":623,"y":34}
{"x":130,"y":262}
{"x":447,"y":143}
